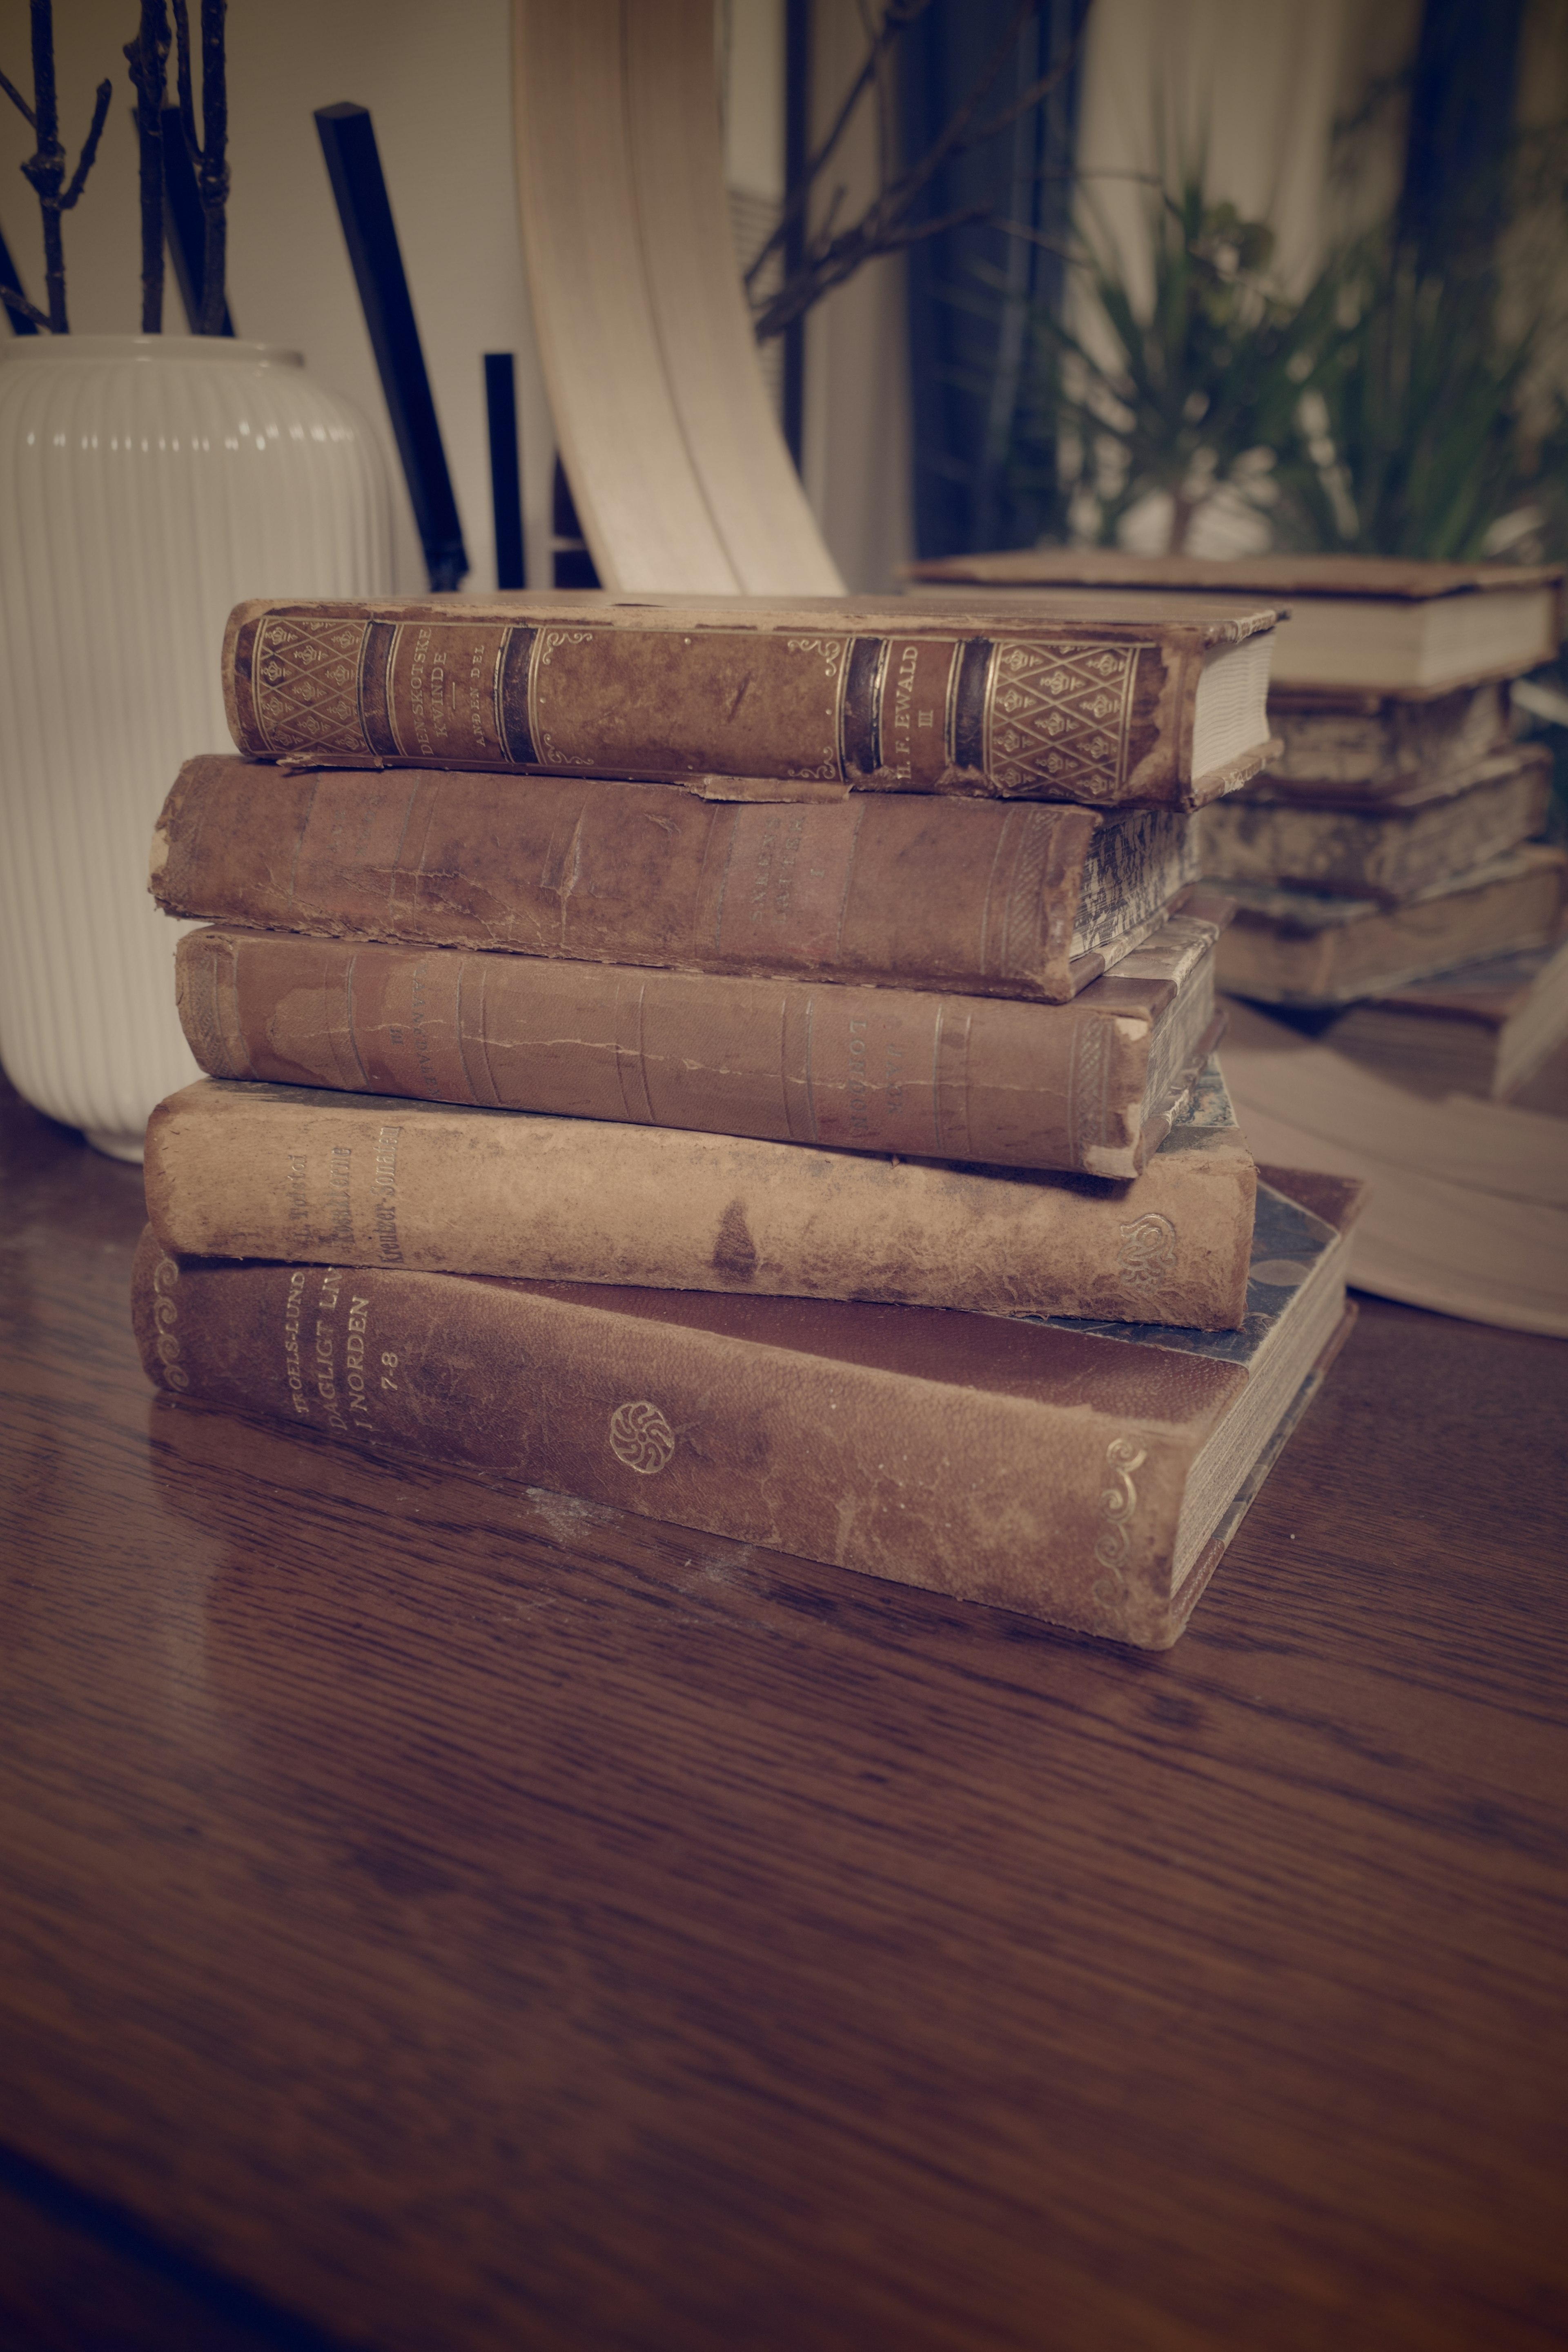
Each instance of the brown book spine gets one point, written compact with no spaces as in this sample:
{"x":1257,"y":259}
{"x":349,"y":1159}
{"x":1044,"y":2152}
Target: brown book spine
{"x":964,"y":895}
{"x":902,"y":1452}
{"x":861,"y":1069}
{"x":1101,"y":713}
{"x":288,"y":1172}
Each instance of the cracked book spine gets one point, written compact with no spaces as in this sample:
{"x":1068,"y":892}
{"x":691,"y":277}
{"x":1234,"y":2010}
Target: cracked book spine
{"x":1029,"y":899}
{"x":1088,"y":1086}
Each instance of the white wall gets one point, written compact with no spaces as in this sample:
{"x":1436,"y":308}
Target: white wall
{"x":436,"y":80}
{"x":435,"y":75}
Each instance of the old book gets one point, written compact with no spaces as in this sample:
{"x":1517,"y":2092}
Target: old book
{"x":1081,"y":1473}
{"x":349,"y":1179}
{"x":1467,"y":1207}
{"x":1296,"y":947}
{"x":1388,"y":623}
{"x":1028,"y":899}
{"x":1090,"y":1086}
{"x":1151,"y":703}
{"x":1351,"y":748}
{"x":1406,"y":845}
{"x":1485,"y":1030}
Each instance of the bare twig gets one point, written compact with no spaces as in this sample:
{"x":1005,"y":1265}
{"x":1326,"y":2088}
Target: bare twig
{"x":886,"y":224}
{"x":18,"y":303}
{"x":88,"y":156}
{"x":209,"y":154}
{"x":45,"y":169}
{"x":16,"y":99}
{"x":148,"y":58}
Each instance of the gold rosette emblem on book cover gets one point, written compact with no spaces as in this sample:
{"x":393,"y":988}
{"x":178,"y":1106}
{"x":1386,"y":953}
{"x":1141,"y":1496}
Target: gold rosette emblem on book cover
{"x":641,"y":1438}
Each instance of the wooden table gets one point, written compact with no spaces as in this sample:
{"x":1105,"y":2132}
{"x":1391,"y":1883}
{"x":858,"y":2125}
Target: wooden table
{"x":441,"y":1916}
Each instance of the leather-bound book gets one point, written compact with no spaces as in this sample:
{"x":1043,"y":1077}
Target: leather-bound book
{"x":1360,"y":747}
{"x":1089,"y":1086}
{"x":1391,"y":624}
{"x":1390,"y":850}
{"x":351,"y":1179}
{"x":1090,"y":1473}
{"x":1024,"y":899}
{"x":1485,"y":1030}
{"x":1150,"y":701}
{"x":1299,"y":947}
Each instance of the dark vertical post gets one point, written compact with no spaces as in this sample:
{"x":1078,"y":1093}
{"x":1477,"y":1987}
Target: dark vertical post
{"x":184,"y":223}
{"x":506,"y":483}
{"x":20,"y":323}
{"x":797,"y":153}
{"x":353,"y":165}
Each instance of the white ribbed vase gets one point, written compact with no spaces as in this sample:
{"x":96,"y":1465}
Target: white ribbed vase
{"x":147,"y":483}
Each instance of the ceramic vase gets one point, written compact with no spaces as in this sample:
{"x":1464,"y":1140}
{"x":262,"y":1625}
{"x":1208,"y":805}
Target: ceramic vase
{"x":147,"y":484}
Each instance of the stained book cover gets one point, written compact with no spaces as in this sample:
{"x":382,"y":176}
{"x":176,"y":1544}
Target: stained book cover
{"x":1046,"y":1468}
{"x":1095,"y":707}
{"x":1089,"y":1086}
{"x":1025,"y":900}
{"x":1390,"y":851}
{"x":355,"y":1180}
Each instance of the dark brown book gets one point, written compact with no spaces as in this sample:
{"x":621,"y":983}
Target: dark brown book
{"x":1027,"y":900}
{"x":1090,"y":1086}
{"x":366,"y":1180}
{"x":1391,"y":624}
{"x":1303,"y":947}
{"x":1359,"y":748}
{"x":1086,"y":1473}
{"x":1150,"y":703}
{"x":1391,"y":852}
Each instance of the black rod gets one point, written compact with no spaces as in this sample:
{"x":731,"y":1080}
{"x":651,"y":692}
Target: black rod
{"x":354,"y":167}
{"x":797,"y":148}
{"x":20,"y":323}
{"x":184,"y":224}
{"x":506,"y":481}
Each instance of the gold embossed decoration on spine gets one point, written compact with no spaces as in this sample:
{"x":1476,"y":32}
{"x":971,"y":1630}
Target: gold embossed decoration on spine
{"x":305,"y":678}
{"x":1058,"y":717}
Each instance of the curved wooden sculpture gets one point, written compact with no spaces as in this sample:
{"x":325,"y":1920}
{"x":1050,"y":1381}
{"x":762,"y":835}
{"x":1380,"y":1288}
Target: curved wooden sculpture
{"x":677,"y":468}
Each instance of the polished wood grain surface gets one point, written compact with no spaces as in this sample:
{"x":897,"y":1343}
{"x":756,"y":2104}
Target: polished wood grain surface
{"x":449,"y":1915}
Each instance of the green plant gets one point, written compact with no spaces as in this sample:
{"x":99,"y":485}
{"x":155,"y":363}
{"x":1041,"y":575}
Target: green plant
{"x":1385,"y":411}
{"x":1432,"y":432}
{"x":1198,"y":389}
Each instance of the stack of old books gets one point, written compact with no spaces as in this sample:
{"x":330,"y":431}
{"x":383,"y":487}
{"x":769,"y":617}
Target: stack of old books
{"x":1399,"y":919}
{"x":633,"y":1030}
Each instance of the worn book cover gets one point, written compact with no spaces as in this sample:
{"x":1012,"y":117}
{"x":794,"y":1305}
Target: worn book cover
{"x":1395,"y":851}
{"x":1086,"y":1475}
{"x":1099,"y":702}
{"x":1392,"y":625}
{"x":1025,"y":899}
{"x":1089,"y":1086}
{"x":1305,"y":948}
{"x":352,"y":1179}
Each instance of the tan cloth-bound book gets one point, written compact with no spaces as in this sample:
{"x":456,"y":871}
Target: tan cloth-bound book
{"x":1090,"y":1473}
{"x":1025,"y":899}
{"x":349,"y":1179}
{"x":1392,"y":851}
{"x":1090,"y":1086}
{"x":1388,"y":624}
{"x":1151,"y":702}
